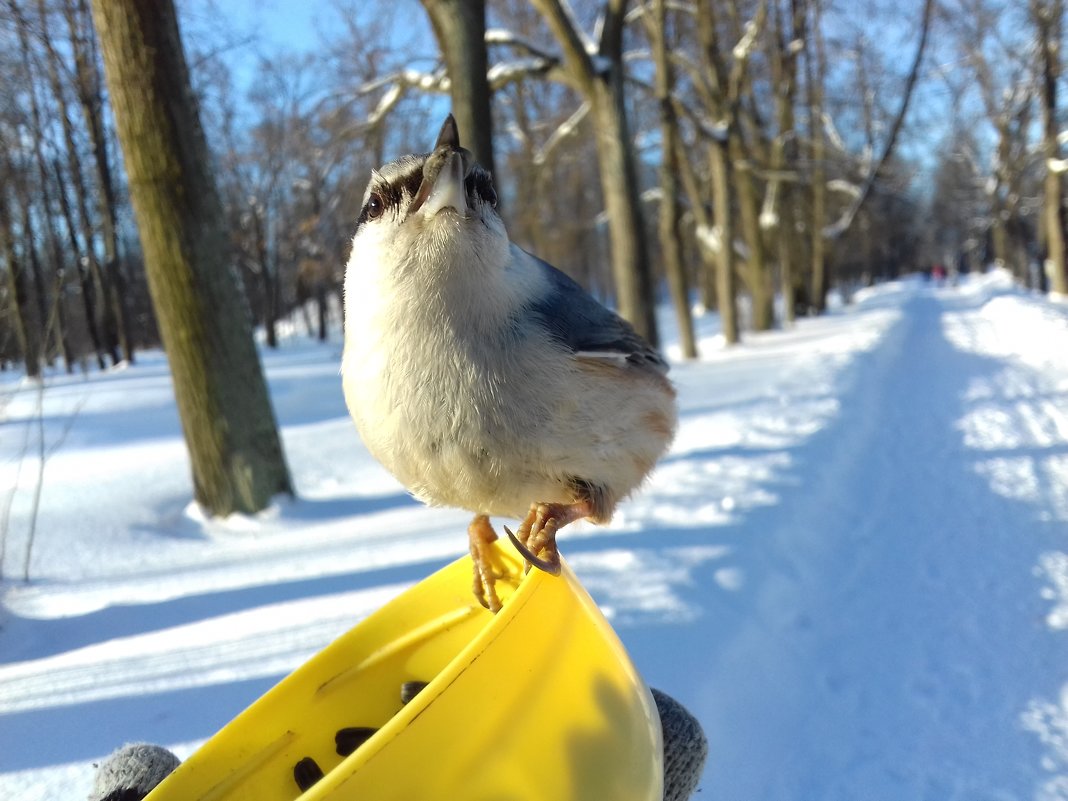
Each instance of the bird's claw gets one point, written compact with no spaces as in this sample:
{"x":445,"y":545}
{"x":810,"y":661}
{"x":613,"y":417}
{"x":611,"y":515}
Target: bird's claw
{"x":486,"y":573}
{"x":550,"y":565}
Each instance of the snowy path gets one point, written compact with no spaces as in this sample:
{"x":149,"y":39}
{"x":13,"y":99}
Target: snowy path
{"x":853,"y":566}
{"x":896,"y":637}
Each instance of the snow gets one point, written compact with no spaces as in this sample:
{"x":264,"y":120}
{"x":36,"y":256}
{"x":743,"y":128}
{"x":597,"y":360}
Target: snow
{"x":852,"y":566}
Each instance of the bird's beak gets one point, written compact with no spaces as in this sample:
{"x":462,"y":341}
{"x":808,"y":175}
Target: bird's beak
{"x":443,"y":175}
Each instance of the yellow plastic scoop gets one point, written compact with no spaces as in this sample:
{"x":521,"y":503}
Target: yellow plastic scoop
{"x":539,"y":702}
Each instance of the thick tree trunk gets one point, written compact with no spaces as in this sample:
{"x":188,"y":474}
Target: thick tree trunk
{"x":460,"y":28}
{"x":226,"y":413}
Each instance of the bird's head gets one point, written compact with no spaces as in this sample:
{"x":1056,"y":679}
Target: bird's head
{"x":425,"y":213}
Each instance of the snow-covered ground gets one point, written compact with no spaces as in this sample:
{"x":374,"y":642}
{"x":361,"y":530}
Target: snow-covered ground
{"x":852,"y":567}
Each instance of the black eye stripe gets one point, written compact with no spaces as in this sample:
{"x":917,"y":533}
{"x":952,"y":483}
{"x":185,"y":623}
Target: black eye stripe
{"x":393,"y":191}
{"x":412,"y":181}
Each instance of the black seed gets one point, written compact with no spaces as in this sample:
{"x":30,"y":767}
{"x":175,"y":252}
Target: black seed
{"x":351,"y":738}
{"x":410,"y":689}
{"x":307,"y":772}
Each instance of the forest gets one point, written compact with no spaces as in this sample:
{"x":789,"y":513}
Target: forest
{"x":742,"y":157}
{"x":832,"y":144}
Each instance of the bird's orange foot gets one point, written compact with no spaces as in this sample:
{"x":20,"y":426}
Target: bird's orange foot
{"x":536,"y":537}
{"x":487,"y":566}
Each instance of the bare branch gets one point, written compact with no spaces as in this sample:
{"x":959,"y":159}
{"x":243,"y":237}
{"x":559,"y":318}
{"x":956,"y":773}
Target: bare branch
{"x":841,"y":225}
{"x":566,"y":129}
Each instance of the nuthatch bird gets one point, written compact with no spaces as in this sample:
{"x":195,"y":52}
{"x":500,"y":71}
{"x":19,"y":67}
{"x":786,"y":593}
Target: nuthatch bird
{"x":482,"y":377}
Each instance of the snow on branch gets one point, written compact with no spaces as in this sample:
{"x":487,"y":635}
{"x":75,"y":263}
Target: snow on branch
{"x":539,"y":61}
{"x":842,"y":224}
{"x":832,"y":133}
{"x":846,"y":187}
{"x":708,"y":236}
{"x":567,"y":127}
{"x":746,"y":43}
{"x":709,"y":128}
{"x":641,"y":9}
{"x":436,"y":81}
{"x":1057,"y":165}
{"x":499,"y":75}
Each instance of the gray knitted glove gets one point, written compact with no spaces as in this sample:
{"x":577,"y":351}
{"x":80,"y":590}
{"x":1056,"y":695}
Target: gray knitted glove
{"x":685,"y":748}
{"x":131,"y":772}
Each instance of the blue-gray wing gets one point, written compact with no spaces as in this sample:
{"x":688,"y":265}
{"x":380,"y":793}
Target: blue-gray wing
{"x":586,"y":327}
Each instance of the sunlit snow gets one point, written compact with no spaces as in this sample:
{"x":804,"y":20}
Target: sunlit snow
{"x":852,"y":566}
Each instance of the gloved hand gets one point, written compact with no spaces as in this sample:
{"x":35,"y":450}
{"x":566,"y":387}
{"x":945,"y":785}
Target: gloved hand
{"x":134,"y":770}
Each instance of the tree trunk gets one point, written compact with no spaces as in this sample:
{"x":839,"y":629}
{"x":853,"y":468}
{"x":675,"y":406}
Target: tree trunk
{"x":602,"y":86}
{"x":270,"y":307}
{"x":321,"y":301}
{"x":784,"y":148}
{"x":631,"y":268}
{"x":460,"y":28}
{"x":87,"y":78}
{"x":1049,"y":20}
{"x":85,"y":279}
{"x":19,"y":294}
{"x":84,"y":257}
{"x":815,"y":68}
{"x":669,"y":184}
{"x":719,"y":162}
{"x":53,"y":322}
{"x":42,"y":321}
{"x":757,"y":278}
{"x":226,"y":413}
{"x":724,"y":87}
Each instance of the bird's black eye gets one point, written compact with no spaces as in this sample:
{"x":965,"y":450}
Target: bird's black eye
{"x":490,"y":196}
{"x":375,"y":206}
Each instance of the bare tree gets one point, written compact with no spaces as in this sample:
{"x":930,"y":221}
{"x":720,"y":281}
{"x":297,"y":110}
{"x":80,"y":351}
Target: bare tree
{"x":670,"y":211}
{"x":77,"y":218}
{"x":55,"y":318}
{"x":1048,"y":16}
{"x":226,"y":413}
{"x":596,"y":71}
{"x":89,"y":89}
{"x":26,"y":330}
{"x":723,"y":93}
{"x":785,"y":43}
{"x":995,"y":68}
{"x":460,"y":28}
{"x":815,"y":79}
